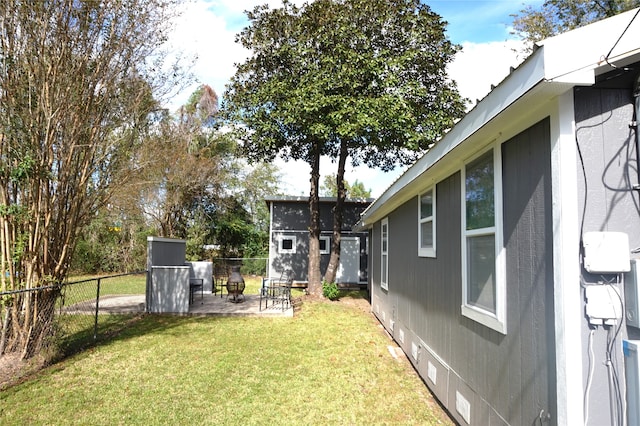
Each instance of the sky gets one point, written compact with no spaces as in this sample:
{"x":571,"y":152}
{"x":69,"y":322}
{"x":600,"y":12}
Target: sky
{"x":207,"y":28}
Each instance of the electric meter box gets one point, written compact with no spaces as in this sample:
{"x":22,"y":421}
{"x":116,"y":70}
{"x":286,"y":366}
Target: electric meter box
{"x":606,"y":252}
{"x":632,"y":294}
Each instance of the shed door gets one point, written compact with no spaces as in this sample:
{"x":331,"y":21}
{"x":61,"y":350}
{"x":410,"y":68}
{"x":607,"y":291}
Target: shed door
{"x":349,"y":268}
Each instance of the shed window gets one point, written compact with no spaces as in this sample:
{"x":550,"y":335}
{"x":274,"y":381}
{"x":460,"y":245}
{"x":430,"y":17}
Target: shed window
{"x":484,"y":288}
{"x":384,"y":254}
{"x":426,"y":224}
{"x":325,"y":247}
{"x":287,"y":244}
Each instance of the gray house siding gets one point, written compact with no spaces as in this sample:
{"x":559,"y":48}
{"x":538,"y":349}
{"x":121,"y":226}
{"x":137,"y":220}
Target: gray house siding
{"x":291,"y":218}
{"x":562,"y":129}
{"x":528,"y":233}
{"x":506,"y":378}
{"x":606,"y":203}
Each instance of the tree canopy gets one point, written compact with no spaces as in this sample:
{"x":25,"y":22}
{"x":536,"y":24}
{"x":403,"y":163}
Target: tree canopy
{"x":369,"y":72}
{"x":363,"y":80}
{"x":553,"y":17}
{"x":188,"y":182}
{"x":79,"y":81}
{"x":357,"y":189}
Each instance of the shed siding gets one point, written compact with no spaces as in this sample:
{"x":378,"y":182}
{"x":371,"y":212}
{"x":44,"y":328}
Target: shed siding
{"x":295,"y":216}
{"x":298,"y":262}
{"x":292,"y":219}
{"x":606,"y":203}
{"x":504,"y":377}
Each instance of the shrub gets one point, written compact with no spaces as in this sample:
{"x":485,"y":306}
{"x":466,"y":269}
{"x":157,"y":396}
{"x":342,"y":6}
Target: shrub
{"x":330,"y":290}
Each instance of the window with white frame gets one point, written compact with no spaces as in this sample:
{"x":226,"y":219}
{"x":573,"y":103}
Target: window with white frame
{"x":426,"y":223}
{"x":384,"y":254}
{"x":483,"y":278}
{"x":325,"y":247}
{"x":287,"y":244}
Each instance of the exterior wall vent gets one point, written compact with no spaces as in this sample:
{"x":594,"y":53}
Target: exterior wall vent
{"x":432,"y":373}
{"x":401,"y":336}
{"x":463,"y":407}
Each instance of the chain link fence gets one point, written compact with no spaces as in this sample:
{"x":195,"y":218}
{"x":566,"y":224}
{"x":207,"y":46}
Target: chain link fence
{"x":54,"y":321}
{"x":248,"y":265}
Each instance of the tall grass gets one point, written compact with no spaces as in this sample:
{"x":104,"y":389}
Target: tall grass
{"x":330,"y":364}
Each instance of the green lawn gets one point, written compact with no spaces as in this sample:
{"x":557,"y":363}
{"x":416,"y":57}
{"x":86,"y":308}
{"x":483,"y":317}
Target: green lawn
{"x":330,"y":364}
{"x":134,"y":284}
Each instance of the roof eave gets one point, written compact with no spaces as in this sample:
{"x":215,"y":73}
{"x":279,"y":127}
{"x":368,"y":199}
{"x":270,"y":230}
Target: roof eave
{"x":521,"y":80}
{"x":553,"y":68}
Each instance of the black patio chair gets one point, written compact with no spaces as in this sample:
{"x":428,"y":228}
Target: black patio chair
{"x":220,"y":277}
{"x":195,"y":285}
{"x":278,"y":291}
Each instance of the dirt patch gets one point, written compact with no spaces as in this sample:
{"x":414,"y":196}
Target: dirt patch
{"x":358,"y":302}
{"x":13,"y":369}
{"x":355,"y":299}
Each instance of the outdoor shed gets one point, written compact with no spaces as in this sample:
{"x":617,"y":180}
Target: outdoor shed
{"x":499,"y":260}
{"x":289,"y":238}
{"x":170,"y":278}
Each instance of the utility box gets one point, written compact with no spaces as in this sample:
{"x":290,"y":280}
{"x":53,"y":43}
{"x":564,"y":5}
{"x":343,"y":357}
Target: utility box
{"x":632,"y":295}
{"x":606,"y":252}
{"x":632,"y":377}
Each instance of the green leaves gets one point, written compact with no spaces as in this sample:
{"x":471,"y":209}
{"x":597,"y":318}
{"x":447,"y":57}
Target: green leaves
{"x":557,"y":16}
{"x":22,"y":170}
{"x":368,"y":72}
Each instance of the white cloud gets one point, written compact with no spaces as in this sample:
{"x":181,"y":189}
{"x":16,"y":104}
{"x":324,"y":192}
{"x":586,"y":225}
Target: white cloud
{"x":237,"y":7}
{"x":297,"y":174}
{"x":479,"y":65}
{"x":203,"y":33}
{"x":208,"y":29}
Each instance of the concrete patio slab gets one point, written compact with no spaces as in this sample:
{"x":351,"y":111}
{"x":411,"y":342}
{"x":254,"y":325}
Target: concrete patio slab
{"x":208,"y":304}
{"x":212,"y":304}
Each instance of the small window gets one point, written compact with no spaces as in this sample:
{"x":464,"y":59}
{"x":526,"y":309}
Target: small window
{"x":287,"y":244}
{"x":426,"y":224}
{"x":483,"y":283}
{"x":325,"y":247}
{"x":384,"y":254}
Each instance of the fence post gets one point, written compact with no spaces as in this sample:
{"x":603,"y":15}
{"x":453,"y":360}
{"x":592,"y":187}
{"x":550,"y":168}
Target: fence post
{"x":95,"y":325}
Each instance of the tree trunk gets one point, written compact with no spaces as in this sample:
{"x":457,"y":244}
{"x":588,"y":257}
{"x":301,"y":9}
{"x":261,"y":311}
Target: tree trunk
{"x":334,"y":259}
{"x":5,"y":328}
{"x":65,"y":137}
{"x":314,"y":275}
{"x":41,"y":324}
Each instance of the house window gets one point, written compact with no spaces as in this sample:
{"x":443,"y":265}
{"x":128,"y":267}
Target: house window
{"x":287,"y":244}
{"x":325,"y":247}
{"x":384,"y":254}
{"x":483,"y":278}
{"x":426,"y":224}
